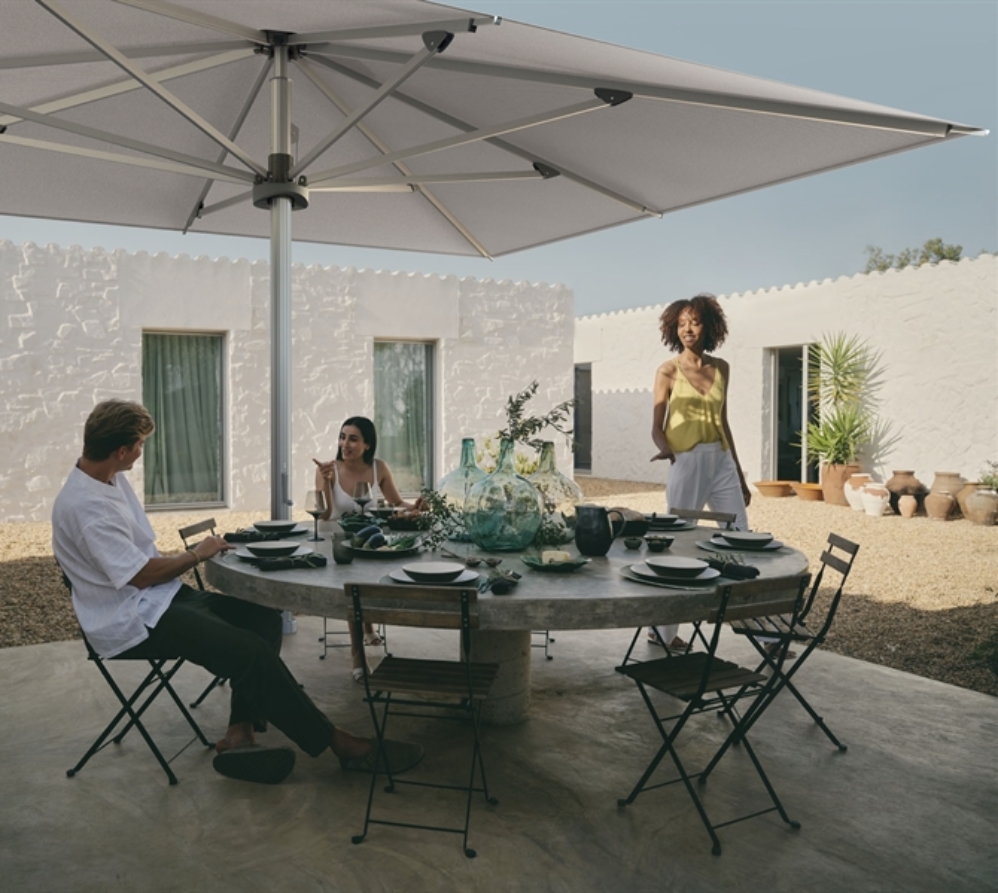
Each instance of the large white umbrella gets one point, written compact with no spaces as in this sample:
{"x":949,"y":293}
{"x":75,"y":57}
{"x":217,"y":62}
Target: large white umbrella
{"x":411,"y":125}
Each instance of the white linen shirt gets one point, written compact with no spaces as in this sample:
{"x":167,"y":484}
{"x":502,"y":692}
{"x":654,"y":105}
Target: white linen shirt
{"x":102,"y":539}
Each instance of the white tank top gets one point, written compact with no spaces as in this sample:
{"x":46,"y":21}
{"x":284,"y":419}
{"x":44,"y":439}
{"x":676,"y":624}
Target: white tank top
{"x":344,"y":504}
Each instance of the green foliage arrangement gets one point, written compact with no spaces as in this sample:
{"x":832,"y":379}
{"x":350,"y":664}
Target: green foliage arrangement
{"x":439,"y":520}
{"x":933,"y":251}
{"x":843,"y":378}
{"x":523,"y":428}
{"x":989,"y":476}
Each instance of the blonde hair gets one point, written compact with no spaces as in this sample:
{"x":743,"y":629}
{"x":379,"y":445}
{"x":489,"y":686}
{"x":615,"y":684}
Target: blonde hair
{"x":112,"y":425}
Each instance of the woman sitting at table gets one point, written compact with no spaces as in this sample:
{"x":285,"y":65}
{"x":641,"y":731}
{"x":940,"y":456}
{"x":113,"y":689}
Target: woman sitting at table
{"x":355,"y":464}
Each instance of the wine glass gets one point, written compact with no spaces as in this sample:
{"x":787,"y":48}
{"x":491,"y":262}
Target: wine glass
{"x":315,"y":505}
{"x":362,"y":495}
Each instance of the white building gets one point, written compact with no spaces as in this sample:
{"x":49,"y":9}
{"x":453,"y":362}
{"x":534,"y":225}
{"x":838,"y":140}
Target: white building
{"x":80,"y":326}
{"x":936,"y":328}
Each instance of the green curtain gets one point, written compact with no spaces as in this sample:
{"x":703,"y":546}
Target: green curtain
{"x":182,"y":388}
{"x":402,"y":410}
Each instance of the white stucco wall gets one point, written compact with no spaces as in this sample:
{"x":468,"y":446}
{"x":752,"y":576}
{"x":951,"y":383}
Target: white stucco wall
{"x":935,"y":326}
{"x":71,"y":335}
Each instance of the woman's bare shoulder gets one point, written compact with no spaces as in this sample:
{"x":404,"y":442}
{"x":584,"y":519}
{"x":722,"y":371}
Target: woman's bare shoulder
{"x":668,"y":368}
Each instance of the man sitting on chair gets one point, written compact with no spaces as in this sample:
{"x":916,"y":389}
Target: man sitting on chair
{"x":131,"y":604}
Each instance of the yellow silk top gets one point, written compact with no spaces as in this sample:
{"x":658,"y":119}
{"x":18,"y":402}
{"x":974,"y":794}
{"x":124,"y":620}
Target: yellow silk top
{"x":694,"y":417}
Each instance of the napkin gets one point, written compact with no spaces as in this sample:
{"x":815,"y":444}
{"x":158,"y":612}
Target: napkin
{"x":250,"y":536}
{"x":734,"y":571}
{"x":287,"y":564}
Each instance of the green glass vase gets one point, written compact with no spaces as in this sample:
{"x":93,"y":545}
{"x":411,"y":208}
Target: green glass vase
{"x":454,"y":487}
{"x":559,"y":495}
{"x":503,"y":511}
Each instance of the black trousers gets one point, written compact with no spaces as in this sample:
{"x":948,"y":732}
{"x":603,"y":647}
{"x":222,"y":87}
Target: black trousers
{"x":241,"y":642}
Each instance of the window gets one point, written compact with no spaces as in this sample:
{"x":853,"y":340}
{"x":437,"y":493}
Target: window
{"x":403,"y":411}
{"x":182,"y":388}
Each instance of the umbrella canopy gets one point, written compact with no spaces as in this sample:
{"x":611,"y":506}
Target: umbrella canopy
{"x":386,"y":123}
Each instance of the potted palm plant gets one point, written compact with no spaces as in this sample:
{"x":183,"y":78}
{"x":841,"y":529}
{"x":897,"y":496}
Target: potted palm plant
{"x":842,"y":382}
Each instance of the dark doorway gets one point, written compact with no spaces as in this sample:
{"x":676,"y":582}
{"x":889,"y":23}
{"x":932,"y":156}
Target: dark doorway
{"x":792,"y":415}
{"x":583,"y":421}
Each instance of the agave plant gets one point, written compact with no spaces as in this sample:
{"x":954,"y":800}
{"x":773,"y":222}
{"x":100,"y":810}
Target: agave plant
{"x":841,"y":434}
{"x":843,"y":378}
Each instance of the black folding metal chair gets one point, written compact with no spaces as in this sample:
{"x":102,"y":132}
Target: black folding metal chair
{"x":133,"y":706}
{"x":769,"y":633}
{"x":706,"y":683}
{"x":436,"y":689}
{"x":186,"y":535}
{"x":546,"y":641}
{"x":724,"y":520}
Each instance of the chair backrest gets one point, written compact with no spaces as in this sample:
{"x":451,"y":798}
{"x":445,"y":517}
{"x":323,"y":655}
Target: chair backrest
{"x":429,"y":607}
{"x":837,"y":563}
{"x":758,"y":598}
{"x":722,"y":519}
{"x":189,"y":532}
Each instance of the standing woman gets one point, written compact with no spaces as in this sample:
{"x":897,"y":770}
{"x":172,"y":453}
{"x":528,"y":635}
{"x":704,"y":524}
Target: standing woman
{"x":354,"y":464}
{"x":690,"y":418}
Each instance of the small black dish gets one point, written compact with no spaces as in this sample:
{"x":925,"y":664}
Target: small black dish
{"x":633,"y":542}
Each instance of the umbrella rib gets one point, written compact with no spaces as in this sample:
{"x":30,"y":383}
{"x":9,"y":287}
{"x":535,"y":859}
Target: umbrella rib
{"x":140,"y":75}
{"x":502,"y":144}
{"x":233,"y":133}
{"x":784,"y":108}
{"x":127,"y":86}
{"x":409,"y":69}
{"x":379,"y":144}
{"x":99,"y":155}
{"x":377,"y":184}
{"x":467,"y":23}
{"x":104,"y":136}
{"x":83,"y":57}
{"x":202,"y":19}
{"x":462,"y":139}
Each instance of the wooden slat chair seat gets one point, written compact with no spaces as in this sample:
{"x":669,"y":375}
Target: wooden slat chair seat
{"x":706,"y":683}
{"x":763,"y":632}
{"x":429,"y":688}
{"x":723,"y":520}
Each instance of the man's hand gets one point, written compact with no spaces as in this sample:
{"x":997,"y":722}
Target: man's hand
{"x":211,"y":546}
{"x":666,"y":454}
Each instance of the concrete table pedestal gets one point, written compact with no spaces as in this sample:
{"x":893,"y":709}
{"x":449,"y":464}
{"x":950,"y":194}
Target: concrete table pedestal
{"x":509,"y":700}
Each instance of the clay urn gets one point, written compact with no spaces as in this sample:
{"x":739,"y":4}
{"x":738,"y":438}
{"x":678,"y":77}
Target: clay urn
{"x":854,"y":490}
{"x":981,"y":506}
{"x":833,"y":481}
{"x":907,"y":505}
{"x":939,"y":506}
{"x":965,"y":491}
{"x":875,"y":499}
{"x":904,"y":483}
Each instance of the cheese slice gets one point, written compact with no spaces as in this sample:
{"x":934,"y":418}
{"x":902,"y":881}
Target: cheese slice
{"x":553,"y":557}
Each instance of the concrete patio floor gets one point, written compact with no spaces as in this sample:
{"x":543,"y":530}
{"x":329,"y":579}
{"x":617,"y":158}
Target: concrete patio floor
{"x":912,"y":805}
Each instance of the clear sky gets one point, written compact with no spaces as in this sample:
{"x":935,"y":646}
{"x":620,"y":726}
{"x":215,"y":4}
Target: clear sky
{"x":934,"y":58}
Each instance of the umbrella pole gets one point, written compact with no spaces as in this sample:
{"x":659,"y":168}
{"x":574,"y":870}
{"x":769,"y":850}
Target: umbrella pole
{"x":280,"y":358}
{"x":280,"y":291}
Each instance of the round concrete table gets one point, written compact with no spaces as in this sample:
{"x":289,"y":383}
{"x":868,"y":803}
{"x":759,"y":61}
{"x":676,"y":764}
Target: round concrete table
{"x":595,"y":597}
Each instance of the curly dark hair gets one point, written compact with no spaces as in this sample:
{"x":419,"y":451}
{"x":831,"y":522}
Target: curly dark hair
{"x":715,"y":326}
{"x":367,"y":431}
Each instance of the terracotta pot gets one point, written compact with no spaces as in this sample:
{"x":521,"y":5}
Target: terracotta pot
{"x":982,"y":506}
{"x":904,"y":483}
{"x":833,"y":481}
{"x":854,"y":490}
{"x":907,"y":505}
{"x":947,"y":482}
{"x":939,"y":506}
{"x":775,"y":488}
{"x":875,"y":500}
{"x":965,"y":491}
{"x":808,"y":492}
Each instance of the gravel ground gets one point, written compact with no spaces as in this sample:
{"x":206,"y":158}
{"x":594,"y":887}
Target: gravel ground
{"x":922,"y":596}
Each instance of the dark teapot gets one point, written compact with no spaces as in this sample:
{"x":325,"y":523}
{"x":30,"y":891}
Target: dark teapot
{"x":594,"y":530}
